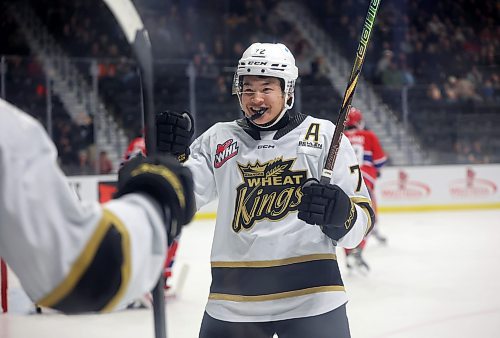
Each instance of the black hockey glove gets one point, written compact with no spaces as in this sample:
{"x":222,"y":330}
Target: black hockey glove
{"x":167,"y":181}
{"x":174,"y":132}
{"x":328,"y":206}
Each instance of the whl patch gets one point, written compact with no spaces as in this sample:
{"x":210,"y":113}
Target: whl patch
{"x":224,"y":152}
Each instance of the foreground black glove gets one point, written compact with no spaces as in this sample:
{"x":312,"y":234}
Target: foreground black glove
{"x":167,"y":181}
{"x":174,"y":132}
{"x":328,"y":206}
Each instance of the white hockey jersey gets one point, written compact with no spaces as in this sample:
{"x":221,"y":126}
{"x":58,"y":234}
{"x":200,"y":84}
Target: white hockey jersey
{"x":266,"y":263}
{"x":51,"y":240}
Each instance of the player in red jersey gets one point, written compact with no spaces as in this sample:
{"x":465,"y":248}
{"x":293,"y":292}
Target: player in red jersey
{"x":138,"y":147}
{"x":135,"y":147}
{"x":371,"y":158}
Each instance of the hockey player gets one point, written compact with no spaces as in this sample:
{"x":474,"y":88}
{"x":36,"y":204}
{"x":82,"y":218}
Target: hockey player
{"x":371,"y":158}
{"x":274,"y":266}
{"x":76,"y":256}
{"x":137,"y":147}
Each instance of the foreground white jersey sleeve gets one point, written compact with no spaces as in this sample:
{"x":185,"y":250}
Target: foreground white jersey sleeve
{"x":51,"y":240}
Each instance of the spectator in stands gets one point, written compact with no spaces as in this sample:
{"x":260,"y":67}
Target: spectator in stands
{"x":105,"y":164}
{"x":221,"y":89}
{"x":391,"y":77}
{"x":67,"y":152}
{"x":471,"y":152}
{"x":475,"y":76}
{"x":85,"y":167}
{"x":434,"y":93}
{"x":319,"y":68}
{"x":383,"y":64}
{"x":304,"y":59}
{"x":451,"y":90}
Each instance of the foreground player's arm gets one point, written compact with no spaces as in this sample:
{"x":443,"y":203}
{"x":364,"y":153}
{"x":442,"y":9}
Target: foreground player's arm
{"x":342,"y":208}
{"x":71,"y":255}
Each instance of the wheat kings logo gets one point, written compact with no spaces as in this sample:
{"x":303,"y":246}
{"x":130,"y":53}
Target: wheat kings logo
{"x":270,"y":190}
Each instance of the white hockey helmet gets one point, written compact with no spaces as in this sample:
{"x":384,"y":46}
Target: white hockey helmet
{"x":268,"y":59}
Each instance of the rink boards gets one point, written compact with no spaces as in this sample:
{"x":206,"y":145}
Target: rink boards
{"x":398,"y":189}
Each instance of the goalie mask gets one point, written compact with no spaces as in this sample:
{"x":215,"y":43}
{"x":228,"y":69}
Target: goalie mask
{"x":272,"y":60}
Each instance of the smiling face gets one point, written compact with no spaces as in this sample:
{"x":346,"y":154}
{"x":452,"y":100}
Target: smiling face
{"x":262,"y":95}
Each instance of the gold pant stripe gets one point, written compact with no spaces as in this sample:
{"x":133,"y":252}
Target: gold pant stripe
{"x":275,"y":296}
{"x":273,"y":263}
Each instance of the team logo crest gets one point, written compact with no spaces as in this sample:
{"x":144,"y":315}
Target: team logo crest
{"x":224,"y":152}
{"x":270,"y":190}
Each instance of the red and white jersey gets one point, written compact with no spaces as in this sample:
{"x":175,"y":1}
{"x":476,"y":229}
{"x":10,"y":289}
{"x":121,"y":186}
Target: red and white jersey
{"x":138,"y":147}
{"x":371,"y":156}
{"x":135,"y":147}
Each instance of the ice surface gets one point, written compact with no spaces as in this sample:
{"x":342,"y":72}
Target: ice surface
{"x":438,"y":276}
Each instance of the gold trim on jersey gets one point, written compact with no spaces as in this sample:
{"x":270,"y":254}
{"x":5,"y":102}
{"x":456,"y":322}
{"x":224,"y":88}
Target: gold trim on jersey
{"x":362,"y":202}
{"x":82,"y":263}
{"x":275,"y":296}
{"x":274,"y":263}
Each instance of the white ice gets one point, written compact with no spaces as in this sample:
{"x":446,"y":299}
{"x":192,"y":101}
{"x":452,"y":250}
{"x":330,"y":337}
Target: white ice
{"x":438,"y":276}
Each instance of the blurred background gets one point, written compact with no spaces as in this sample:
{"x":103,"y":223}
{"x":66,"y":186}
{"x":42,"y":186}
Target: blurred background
{"x":430,"y":87}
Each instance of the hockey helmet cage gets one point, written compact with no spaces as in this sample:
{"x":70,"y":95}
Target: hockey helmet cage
{"x":267,"y":59}
{"x":354,"y":118}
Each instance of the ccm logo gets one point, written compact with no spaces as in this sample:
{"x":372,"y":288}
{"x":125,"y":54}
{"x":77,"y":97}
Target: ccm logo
{"x":265,"y":146}
{"x":257,"y":63}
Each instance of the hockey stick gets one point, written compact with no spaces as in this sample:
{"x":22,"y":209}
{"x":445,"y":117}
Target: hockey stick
{"x":349,"y":92}
{"x":138,"y":37}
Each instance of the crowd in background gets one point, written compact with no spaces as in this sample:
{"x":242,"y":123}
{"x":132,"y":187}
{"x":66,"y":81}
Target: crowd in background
{"x":443,"y":52}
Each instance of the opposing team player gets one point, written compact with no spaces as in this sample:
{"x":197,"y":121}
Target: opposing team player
{"x":371,"y":158}
{"x":137,"y":147}
{"x":274,"y":266}
{"x":76,"y":256}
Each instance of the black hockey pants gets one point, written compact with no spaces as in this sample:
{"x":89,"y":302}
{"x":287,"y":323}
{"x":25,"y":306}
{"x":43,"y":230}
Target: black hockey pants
{"x":333,"y":324}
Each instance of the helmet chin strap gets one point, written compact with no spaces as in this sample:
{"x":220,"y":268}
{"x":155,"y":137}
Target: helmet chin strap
{"x":270,"y":123}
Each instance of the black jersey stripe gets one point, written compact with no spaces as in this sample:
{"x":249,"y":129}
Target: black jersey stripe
{"x":276,"y":281}
{"x":100,"y":275}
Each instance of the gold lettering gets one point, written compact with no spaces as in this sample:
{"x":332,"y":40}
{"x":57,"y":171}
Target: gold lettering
{"x":241,"y":215}
{"x":266,"y":181}
{"x":267,"y":201}
{"x":283,"y":201}
{"x":271,"y":196}
{"x":253,"y":182}
{"x":298,"y":196}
